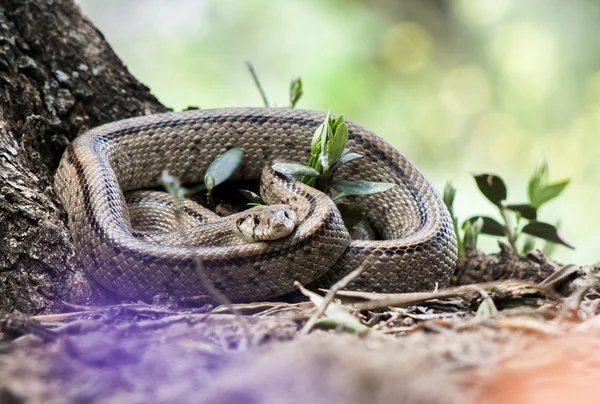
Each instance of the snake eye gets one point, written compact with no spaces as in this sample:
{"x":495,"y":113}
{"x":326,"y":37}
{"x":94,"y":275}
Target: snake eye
{"x":256,"y":220}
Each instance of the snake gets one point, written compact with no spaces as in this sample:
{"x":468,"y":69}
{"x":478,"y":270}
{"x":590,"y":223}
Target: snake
{"x":415,"y":249}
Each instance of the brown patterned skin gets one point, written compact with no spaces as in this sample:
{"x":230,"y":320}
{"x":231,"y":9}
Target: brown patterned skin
{"x":418,"y":250}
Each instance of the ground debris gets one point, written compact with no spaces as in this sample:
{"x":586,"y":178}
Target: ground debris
{"x":464,"y":340}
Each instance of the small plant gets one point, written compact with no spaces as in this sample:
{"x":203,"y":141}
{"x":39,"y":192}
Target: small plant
{"x":296,"y":90}
{"x":519,"y":220}
{"x":219,"y":171}
{"x":329,"y":154}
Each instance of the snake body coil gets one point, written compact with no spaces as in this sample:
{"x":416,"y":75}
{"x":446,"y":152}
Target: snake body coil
{"x":417,"y":250}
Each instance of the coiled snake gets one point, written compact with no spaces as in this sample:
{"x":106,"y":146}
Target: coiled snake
{"x":417,"y":250}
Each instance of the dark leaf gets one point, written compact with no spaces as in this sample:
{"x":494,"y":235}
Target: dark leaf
{"x":524,"y":209}
{"x":223,"y":167}
{"x":251,"y":196}
{"x":492,"y":187}
{"x":295,"y":169}
{"x":546,"y":232}
{"x":352,"y":213}
{"x":361,"y":187}
{"x":490,"y":227}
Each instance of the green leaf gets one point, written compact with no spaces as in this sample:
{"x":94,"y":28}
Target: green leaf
{"x":361,"y":187}
{"x":546,"y":232}
{"x":313,"y":162}
{"x":484,"y":310}
{"x":326,"y":138}
{"x":492,"y":187}
{"x":472,"y":231}
{"x":338,"y":143}
{"x":336,"y":313}
{"x":319,"y":132}
{"x":326,"y":133}
{"x":449,"y":194}
{"x":352,"y":214}
{"x":195,"y":189}
{"x":539,"y":190}
{"x":524,"y":209}
{"x":538,"y":181}
{"x":295,"y":91}
{"x":490,"y":226}
{"x":339,"y":195}
{"x":550,"y":191}
{"x":344,"y":159}
{"x":295,"y":169}
{"x":334,"y":123}
{"x":253,"y":197}
{"x":223,"y":167}
{"x":209,"y":181}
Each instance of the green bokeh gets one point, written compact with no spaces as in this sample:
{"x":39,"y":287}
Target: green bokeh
{"x":469,"y":85}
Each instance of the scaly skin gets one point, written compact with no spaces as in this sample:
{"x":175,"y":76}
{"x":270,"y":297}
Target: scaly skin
{"x":417,"y":250}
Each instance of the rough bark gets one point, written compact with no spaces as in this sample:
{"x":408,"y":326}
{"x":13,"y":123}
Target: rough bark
{"x":58,"y":77}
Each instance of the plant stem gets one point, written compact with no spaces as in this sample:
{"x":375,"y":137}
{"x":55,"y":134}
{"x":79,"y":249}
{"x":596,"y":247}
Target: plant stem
{"x":516,"y":232}
{"x":512,"y":240}
{"x":323,"y":182}
{"x":209,"y":199}
{"x":257,"y":82}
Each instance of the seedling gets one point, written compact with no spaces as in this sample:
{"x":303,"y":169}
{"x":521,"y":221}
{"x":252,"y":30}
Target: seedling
{"x":296,"y":90}
{"x":329,"y":154}
{"x":222,"y":167}
{"x":519,"y":220}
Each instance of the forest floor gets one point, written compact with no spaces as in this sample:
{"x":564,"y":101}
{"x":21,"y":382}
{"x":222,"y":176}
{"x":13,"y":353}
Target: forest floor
{"x":533,"y":338}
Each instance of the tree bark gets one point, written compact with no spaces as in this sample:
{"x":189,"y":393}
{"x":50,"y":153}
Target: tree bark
{"x":58,"y":77}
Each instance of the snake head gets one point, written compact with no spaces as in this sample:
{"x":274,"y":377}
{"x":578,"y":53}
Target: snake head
{"x":264,"y":223}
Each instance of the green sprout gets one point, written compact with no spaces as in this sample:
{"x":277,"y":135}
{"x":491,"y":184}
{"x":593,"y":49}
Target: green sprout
{"x":519,"y":220}
{"x":296,"y":90}
{"x":329,"y":154}
{"x":219,"y":171}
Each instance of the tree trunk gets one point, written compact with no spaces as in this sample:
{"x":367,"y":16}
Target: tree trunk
{"x":58,"y":78}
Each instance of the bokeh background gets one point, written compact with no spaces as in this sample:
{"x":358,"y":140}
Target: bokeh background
{"x":459,"y":86}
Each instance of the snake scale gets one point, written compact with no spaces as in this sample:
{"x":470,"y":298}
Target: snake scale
{"x":416,"y":250}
